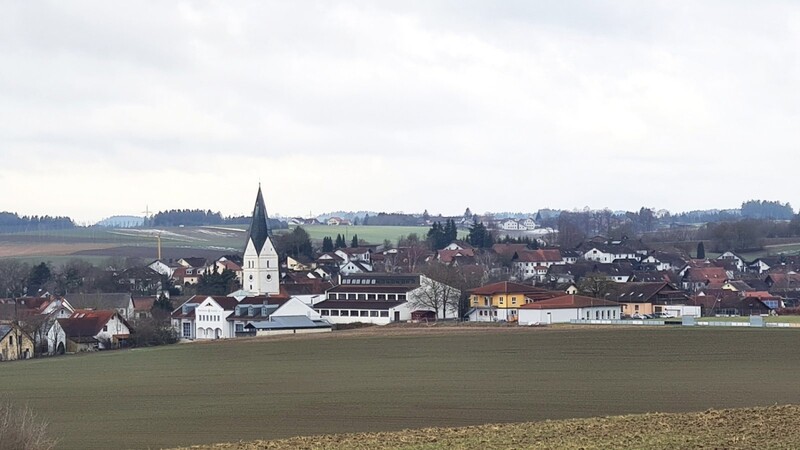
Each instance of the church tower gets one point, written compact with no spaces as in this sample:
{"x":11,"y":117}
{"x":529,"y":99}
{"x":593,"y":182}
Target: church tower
{"x":261,"y":271}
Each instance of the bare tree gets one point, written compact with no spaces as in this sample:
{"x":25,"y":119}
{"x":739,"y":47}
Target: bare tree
{"x":596,"y":285}
{"x":438,"y":289}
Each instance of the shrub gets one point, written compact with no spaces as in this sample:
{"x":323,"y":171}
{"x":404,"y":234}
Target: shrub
{"x":21,"y":429}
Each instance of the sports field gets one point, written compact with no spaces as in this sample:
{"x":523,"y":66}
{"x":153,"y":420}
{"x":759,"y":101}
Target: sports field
{"x":391,"y":379}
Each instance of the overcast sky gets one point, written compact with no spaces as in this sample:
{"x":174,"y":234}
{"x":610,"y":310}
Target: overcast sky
{"x":108,"y":107}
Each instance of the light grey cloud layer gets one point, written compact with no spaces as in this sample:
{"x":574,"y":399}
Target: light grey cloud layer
{"x":106,"y":107}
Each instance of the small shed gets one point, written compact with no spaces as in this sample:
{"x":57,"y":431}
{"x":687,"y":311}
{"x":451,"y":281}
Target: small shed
{"x":422,"y":315}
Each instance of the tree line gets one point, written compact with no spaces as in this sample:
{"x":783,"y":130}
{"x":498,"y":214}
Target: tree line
{"x":11,"y":222}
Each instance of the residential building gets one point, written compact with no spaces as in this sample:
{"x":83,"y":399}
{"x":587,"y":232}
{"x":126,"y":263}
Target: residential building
{"x":122,"y":303}
{"x":501,"y":301}
{"x":88,"y":330}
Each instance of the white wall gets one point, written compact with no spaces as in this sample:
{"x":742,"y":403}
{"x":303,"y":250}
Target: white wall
{"x":564,"y":315}
{"x":295,"y":307}
{"x":114,"y":326}
{"x":210,"y":321}
{"x":404,"y":310}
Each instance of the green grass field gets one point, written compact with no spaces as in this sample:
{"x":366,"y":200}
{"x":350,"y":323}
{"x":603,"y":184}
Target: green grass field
{"x":370,"y":234}
{"x":392,"y":379}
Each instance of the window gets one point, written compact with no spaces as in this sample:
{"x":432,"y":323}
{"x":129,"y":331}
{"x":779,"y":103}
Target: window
{"x":401,"y":297}
{"x":105,"y":328}
{"x":381,"y":296}
{"x":335,"y":312}
{"x":364,"y":314}
{"x":239,"y":328}
{"x":373,"y":313}
{"x":331,"y":296}
{"x":187,"y":329}
{"x":11,"y":339}
{"x":384,"y":313}
{"x":392,"y":297}
{"x":323,"y":312}
{"x":345,"y":313}
{"x":513,"y":300}
{"x":370,"y":296}
{"x":351,"y":296}
{"x":362,"y":296}
{"x":501,"y":300}
{"x":597,"y":314}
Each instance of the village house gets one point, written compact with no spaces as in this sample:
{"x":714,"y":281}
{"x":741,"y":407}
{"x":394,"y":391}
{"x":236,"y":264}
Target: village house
{"x":610,"y":251}
{"x":14,"y":343}
{"x":527,"y":264}
{"x":88,"y":330}
{"x":564,"y":308}
{"x":644,"y":298}
{"x":501,"y":301}
{"x":122,"y":302}
{"x":737,"y":260}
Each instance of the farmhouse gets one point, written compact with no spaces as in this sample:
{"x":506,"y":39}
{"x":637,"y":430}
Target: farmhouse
{"x":568,"y":307}
{"x":14,"y":343}
{"x":88,"y":330}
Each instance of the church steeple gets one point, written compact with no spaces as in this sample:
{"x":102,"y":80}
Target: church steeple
{"x":259,"y":226}
{"x":261,"y":269}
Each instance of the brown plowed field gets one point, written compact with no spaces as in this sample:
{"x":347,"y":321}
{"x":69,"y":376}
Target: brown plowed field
{"x":772,"y":427}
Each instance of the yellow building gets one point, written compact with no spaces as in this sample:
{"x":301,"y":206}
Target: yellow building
{"x":14,"y":343}
{"x":501,"y":301}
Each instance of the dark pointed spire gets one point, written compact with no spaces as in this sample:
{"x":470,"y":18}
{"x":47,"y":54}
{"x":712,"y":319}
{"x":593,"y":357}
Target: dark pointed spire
{"x":259,"y":226}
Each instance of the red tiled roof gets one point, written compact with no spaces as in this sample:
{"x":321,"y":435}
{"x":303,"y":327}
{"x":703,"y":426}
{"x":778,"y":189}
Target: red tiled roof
{"x":569,"y":301}
{"x":85,"y":322}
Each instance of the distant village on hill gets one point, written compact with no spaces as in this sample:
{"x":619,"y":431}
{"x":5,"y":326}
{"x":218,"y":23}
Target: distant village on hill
{"x":514,"y":269}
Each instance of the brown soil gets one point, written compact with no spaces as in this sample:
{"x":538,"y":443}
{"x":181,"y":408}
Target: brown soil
{"x":744,"y":428}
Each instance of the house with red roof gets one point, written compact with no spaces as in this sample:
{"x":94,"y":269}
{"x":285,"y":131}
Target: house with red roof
{"x":565,"y":308}
{"x":88,"y":330}
{"x":527,"y":264}
{"x":501,"y":301}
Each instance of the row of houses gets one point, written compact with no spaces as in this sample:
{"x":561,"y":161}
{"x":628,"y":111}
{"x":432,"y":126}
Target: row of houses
{"x":50,"y":325}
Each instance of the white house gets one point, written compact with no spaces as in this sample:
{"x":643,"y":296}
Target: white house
{"x":95,"y":330}
{"x":205,"y":317}
{"x":568,"y":307}
{"x":527,"y":264}
{"x":529,"y":223}
{"x":162,"y":268}
{"x":730,"y":256}
{"x":512,"y":225}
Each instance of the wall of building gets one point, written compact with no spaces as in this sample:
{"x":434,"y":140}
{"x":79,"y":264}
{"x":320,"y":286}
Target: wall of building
{"x":11,"y":349}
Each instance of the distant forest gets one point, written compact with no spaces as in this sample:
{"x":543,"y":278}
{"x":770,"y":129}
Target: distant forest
{"x":11,"y":223}
{"x":199,"y":217}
